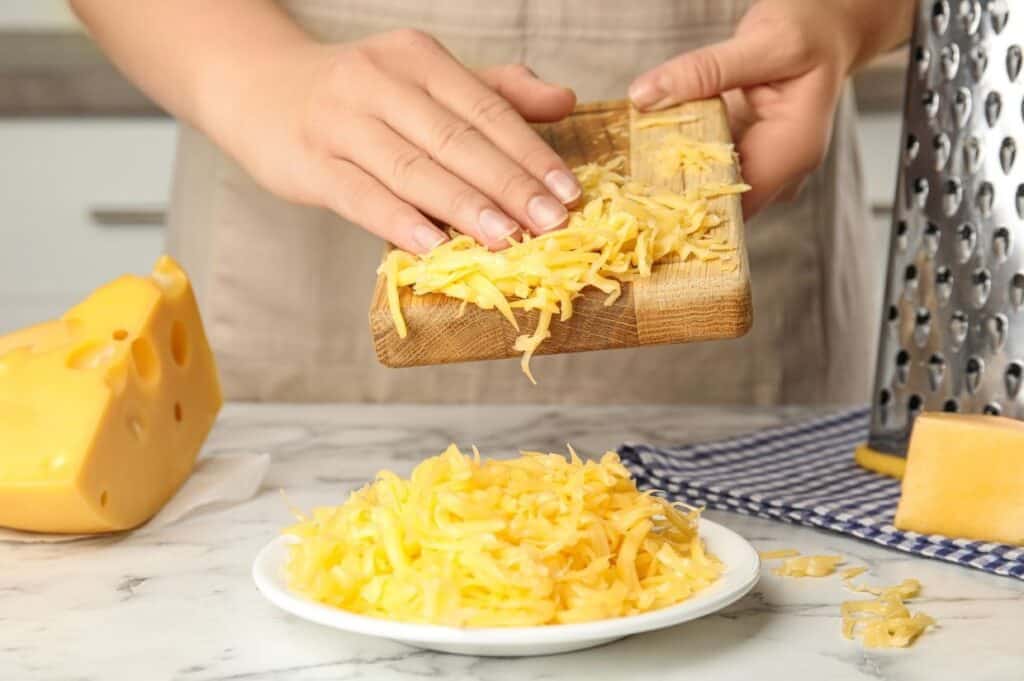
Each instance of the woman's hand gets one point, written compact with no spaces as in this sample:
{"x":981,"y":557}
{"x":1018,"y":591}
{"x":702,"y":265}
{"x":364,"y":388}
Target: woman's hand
{"x":392,"y":131}
{"x":780,"y":76}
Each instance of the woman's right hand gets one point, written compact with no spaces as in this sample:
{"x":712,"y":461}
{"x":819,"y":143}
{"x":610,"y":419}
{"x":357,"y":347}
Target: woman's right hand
{"x":392,"y":133}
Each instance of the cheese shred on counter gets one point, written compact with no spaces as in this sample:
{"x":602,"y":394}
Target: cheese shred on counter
{"x":809,"y":566}
{"x":881,"y":622}
{"x":622,"y":229}
{"x":884,"y":621}
{"x":532,"y":541}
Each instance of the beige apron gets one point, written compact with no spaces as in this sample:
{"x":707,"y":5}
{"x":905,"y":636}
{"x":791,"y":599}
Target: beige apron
{"x":284,"y":290}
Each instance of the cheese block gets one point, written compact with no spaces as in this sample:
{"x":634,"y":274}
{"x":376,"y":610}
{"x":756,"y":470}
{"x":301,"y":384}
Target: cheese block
{"x":103,"y":411}
{"x":965,"y":478}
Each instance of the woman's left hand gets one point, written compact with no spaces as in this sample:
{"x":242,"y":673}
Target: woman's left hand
{"x":780,"y":76}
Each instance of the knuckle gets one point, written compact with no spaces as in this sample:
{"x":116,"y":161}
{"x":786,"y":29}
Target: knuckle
{"x":539,"y":158}
{"x":407,"y":164}
{"x":463,"y":201}
{"x":399,"y":214}
{"x":518,"y":184}
{"x":341,"y":191}
{"x":344,"y":65}
{"x":414,"y":39}
{"x":490,"y":109}
{"x":707,"y":72}
{"x":452,"y":134}
{"x":520,"y":71}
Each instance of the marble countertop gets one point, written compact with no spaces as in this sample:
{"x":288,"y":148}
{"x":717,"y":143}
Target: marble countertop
{"x":178,"y":603}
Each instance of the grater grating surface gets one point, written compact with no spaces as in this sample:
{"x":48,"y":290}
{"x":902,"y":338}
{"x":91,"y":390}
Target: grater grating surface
{"x":952,"y":334}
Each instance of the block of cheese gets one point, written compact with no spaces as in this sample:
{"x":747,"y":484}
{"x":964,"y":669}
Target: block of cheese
{"x":103,"y":411}
{"x":965,"y":478}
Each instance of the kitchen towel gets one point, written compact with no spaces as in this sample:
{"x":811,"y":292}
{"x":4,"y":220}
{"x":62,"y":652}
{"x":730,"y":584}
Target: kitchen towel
{"x":805,"y":474}
{"x":216,"y":481}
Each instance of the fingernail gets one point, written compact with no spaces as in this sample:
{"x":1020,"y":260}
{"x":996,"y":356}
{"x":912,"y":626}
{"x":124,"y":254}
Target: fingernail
{"x":496,"y":227}
{"x":563,"y":184}
{"x":644,"y":93}
{"x":427,"y":238}
{"x":546,"y":213}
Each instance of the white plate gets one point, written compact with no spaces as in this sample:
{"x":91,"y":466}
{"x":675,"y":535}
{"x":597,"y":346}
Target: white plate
{"x":742,"y":568}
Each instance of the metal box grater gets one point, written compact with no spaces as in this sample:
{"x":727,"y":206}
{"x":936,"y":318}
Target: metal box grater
{"x":952,"y":335}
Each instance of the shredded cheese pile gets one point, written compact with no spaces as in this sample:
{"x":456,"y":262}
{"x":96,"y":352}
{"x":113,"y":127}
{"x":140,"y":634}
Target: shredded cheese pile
{"x":884,"y":621}
{"x":622,"y":229}
{"x":881,"y":622}
{"x":531,"y":541}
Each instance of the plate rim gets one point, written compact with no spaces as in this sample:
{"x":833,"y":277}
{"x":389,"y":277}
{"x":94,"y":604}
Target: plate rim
{"x":747,"y":575}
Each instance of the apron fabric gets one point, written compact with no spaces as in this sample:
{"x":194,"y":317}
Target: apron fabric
{"x":285,"y":289}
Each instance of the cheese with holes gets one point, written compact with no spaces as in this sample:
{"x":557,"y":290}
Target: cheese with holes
{"x":103,"y":411}
{"x":965,"y":478}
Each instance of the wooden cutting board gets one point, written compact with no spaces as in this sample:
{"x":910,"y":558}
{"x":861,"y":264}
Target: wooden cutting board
{"x":680,"y":302}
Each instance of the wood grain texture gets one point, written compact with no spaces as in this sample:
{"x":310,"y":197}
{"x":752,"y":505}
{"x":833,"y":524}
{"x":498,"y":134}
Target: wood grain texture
{"x":679,"y":302}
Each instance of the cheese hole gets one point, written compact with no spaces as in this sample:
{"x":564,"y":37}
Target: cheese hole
{"x":120,"y":334}
{"x":179,"y":343}
{"x":90,"y":356}
{"x":144,"y":359}
{"x":177,"y":412}
{"x":103,"y":498}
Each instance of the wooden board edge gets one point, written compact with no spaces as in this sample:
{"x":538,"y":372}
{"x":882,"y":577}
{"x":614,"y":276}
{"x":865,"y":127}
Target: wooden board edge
{"x":381,"y":324}
{"x":390,"y":349}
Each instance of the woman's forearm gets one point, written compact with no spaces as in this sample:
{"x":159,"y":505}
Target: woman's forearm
{"x":182,"y":52}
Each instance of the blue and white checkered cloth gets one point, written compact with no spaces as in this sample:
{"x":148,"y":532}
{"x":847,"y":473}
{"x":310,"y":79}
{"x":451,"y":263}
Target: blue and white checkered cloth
{"x":805,"y":474}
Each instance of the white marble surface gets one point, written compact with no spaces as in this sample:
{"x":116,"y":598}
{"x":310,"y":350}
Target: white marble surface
{"x":178,"y":603}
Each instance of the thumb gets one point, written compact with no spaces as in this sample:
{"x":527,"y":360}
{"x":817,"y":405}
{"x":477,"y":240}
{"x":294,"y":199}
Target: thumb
{"x":536,"y":100}
{"x":740,"y":62}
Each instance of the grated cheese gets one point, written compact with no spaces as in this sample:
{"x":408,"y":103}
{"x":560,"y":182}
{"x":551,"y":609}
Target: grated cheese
{"x":884,"y":621}
{"x":536,"y":540}
{"x":666,"y":119}
{"x":621,"y":230}
{"x":850,"y":573}
{"x":678,"y":151}
{"x":780,"y":553}
{"x":881,"y":622}
{"x":809,"y":566}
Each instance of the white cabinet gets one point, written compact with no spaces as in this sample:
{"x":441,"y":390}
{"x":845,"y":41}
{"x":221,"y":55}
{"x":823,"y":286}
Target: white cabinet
{"x":57,"y":176}
{"x":47,"y":15}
